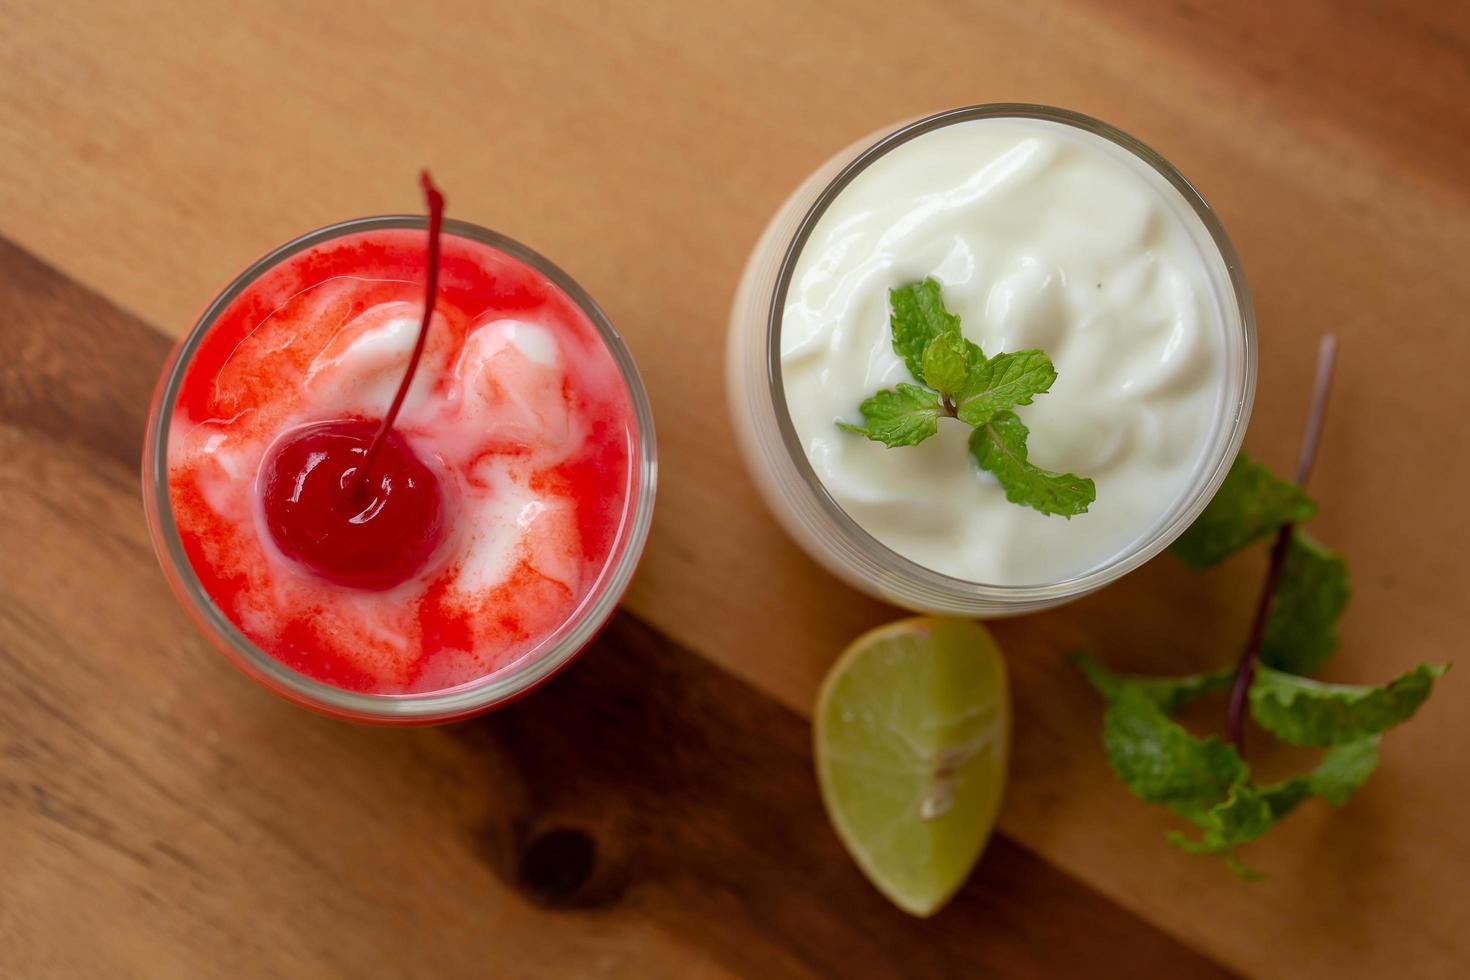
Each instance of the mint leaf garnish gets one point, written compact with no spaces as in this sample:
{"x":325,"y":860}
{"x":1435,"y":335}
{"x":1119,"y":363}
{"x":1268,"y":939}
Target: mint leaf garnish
{"x":1302,"y":627}
{"x":918,"y":317}
{"x":1205,"y":780}
{"x":1249,"y":505}
{"x":947,"y":363}
{"x":1169,"y":693}
{"x":1247,"y":813}
{"x":1000,"y":447}
{"x":1283,"y":797}
{"x":901,"y":416}
{"x":962,"y":383}
{"x":1162,"y":762}
{"x":1344,"y":769}
{"x":1003,"y":382}
{"x":1158,"y":759}
{"x":1307,"y":712}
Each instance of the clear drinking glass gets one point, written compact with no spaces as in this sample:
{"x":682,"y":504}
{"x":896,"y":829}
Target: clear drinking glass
{"x":511,"y":681}
{"x":779,"y":466}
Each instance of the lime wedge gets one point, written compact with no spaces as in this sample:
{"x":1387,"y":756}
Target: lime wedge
{"x":912,"y":729}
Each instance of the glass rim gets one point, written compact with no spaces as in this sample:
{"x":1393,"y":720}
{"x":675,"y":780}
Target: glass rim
{"x":517,"y":678}
{"x":1238,"y":402}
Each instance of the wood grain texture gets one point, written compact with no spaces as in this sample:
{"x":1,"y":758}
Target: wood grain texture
{"x":151,"y":150}
{"x":645,"y":814}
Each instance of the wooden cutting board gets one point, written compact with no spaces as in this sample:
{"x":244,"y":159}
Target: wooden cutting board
{"x":149,"y":151}
{"x":645,"y":814}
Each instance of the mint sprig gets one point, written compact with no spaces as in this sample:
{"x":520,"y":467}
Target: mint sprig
{"x":1000,"y":447}
{"x":1249,"y":811}
{"x":1307,"y":712}
{"x":1002,"y":383}
{"x":948,"y":363}
{"x":918,"y":318}
{"x":1250,"y":505}
{"x":1301,"y":630}
{"x":902,"y":416}
{"x":1206,"y":780}
{"x":960,"y":382}
{"x":1169,"y":693}
{"x":1159,"y":759}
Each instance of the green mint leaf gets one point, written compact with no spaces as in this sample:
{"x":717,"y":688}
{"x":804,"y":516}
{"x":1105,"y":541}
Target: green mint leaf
{"x":1162,"y":762}
{"x":918,"y":316}
{"x":980,"y":392}
{"x":1247,"y":813}
{"x":1157,"y":758}
{"x":1169,"y":693}
{"x":947,"y":362}
{"x":1003,"y":382}
{"x":1283,"y":797}
{"x":1344,"y":769}
{"x":1250,"y":504}
{"x":1243,"y":816}
{"x":1307,"y":712}
{"x":1000,"y":447}
{"x":1302,"y":628}
{"x":1202,"y":779}
{"x":901,"y":416}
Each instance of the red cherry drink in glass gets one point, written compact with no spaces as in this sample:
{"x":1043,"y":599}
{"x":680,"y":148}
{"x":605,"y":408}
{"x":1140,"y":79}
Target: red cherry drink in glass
{"x":500,"y":521}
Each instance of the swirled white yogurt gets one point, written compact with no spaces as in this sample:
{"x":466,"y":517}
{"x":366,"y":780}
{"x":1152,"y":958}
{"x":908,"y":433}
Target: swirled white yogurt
{"x":1043,"y":235}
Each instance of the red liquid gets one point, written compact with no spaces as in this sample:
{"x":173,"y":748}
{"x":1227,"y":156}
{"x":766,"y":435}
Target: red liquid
{"x":511,"y":464}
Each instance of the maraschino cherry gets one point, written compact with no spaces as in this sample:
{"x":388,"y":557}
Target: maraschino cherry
{"x":349,"y":499}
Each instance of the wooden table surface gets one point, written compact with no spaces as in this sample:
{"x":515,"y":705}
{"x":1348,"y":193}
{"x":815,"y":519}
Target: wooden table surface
{"x":652,"y":812}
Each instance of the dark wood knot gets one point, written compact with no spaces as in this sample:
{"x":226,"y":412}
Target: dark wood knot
{"x":560,"y":868}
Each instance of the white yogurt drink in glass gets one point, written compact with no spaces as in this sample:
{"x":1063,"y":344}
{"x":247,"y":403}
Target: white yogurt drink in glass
{"x":1046,"y":230}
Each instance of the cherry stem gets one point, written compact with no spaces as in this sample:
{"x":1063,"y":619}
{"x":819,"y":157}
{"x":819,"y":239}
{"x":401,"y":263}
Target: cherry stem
{"x":431,"y":293}
{"x":1245,"y":670}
